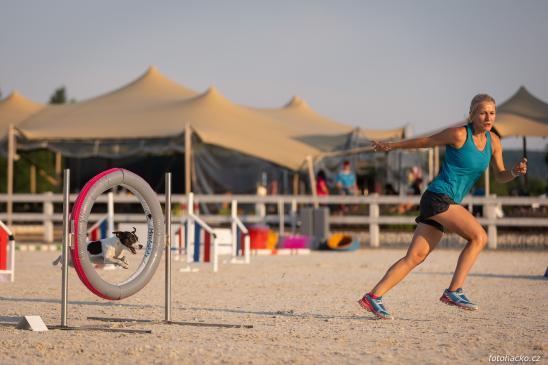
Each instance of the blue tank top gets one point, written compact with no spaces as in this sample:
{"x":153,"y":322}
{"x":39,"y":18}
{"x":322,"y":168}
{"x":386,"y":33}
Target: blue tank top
{"x":461,"y":168}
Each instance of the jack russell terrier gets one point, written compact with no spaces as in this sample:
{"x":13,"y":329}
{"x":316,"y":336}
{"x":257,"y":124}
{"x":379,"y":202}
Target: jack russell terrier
{"x":109,"y":250}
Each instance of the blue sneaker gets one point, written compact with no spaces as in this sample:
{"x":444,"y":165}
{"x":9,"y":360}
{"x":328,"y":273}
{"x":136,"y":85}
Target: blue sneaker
{"x":458,"y":299}
{"x":374,"y":306}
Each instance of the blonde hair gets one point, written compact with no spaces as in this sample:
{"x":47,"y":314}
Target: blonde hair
{"x":477,"y":101}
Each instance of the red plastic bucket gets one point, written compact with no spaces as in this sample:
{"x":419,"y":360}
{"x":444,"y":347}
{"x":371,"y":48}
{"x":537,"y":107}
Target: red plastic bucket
{"x":258,"y":237}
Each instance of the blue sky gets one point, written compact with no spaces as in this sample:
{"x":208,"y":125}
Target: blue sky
{"x":374,"y":64}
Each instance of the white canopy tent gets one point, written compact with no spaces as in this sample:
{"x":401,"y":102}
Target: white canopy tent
{"x":14,"y":109}
{"x":154,"y":108}
{"x":151,"y":115}
{"x":155,"y":115}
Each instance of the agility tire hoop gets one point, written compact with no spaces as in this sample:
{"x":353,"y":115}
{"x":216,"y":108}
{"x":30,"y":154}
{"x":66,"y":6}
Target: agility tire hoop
{"x":155,"y":233}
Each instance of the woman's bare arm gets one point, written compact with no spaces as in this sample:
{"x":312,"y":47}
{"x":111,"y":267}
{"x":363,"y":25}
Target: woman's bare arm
{"x":451,"y":136}
{"x":501,"y":173}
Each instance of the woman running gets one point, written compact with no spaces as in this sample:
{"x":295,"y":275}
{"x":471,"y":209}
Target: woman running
{"x":469,"y":150}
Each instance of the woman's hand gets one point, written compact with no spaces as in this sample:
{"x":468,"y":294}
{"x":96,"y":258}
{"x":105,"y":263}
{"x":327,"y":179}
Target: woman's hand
{"x":520,"y":168}
{"x":381,"y":146}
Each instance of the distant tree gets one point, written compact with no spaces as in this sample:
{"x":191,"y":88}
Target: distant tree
{"x":59,"y":96}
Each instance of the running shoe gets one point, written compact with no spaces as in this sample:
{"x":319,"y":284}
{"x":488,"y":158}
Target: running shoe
{"x":458,"y":299}
{"x":374,"y":306}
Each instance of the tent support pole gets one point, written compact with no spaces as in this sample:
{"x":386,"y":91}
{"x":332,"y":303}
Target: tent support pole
{"x":188,"y":151}
{"x":436,"y":160}
{"x":525,"y":179}
{"x":167,"y":314}
{"x":11,"y":158}
{"x":295,"y":183}
{"x":58,"y":167}
{"x":32,"y":178}
{"x":312,"y":179}
{"x":430,"y":165}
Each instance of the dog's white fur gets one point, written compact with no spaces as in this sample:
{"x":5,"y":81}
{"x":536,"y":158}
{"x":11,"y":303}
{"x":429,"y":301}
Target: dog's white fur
{"x":111,"y":249}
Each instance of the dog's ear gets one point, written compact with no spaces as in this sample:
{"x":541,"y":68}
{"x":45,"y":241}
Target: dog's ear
{"x":134,"y":230}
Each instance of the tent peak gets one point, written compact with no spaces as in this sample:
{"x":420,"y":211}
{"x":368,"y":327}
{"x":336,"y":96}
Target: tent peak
{"x":16,"y":98}
{"x":212,"y":94}
{"x":152,"y":83}
{"x":523,"y":91}
{"x":14,"y":95}
{"x":296,"y":101}
{"x":212,"y":90}
{"x":152,"y":70}
{"x":523,"y":96}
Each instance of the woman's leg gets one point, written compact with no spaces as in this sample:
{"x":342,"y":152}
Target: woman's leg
{"x":424,"y":241}
{"x":459,"y":220}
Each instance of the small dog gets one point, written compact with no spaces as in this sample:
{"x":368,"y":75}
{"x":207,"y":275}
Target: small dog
{"x":109,"y":250}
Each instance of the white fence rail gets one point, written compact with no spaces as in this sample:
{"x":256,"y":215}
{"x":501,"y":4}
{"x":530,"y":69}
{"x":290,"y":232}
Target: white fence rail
{"x":287,"y":208}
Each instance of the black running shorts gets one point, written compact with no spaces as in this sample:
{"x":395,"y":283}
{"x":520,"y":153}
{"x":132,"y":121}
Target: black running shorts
{"x":432,"y":204}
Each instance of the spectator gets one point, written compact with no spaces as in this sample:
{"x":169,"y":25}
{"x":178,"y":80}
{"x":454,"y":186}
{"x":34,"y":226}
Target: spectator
{"x":321,"y":184}
{"x":346,"y":180}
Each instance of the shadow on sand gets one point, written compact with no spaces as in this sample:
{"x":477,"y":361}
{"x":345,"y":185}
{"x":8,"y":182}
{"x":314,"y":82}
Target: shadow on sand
{"x":273,"y":314}
{"x":58,"y":301}
{"x":489,"y":275}
{"x":286,"y":313}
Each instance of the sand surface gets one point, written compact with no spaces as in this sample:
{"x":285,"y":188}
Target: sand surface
{"x":302,"y":308}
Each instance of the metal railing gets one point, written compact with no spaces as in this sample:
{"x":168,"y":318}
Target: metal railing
{"x":287,"y":207}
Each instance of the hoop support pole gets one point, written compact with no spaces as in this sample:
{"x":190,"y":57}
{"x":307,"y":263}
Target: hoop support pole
{"x":168,"y":248}
{"x":64,"y":279}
